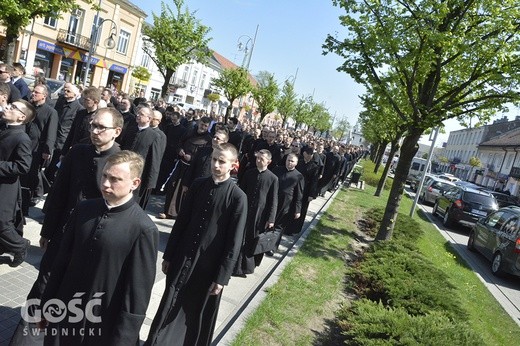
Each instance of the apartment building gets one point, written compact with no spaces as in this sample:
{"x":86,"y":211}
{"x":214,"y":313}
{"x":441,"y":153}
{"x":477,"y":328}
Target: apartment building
{"x":59,"y":48}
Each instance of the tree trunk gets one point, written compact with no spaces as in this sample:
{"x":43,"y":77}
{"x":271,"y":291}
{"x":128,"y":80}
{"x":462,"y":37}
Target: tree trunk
{"x":165,"y":90}
{"x":384,"y":176}
{"x":10,"y":41}
{"x":380,"y":155}
{"x":408,"y":150}
{"x":373,"y":152}
{"x":228,"y":112}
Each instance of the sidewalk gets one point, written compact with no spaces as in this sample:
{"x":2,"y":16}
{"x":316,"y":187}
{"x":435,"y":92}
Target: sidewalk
{"x":239,"y":298}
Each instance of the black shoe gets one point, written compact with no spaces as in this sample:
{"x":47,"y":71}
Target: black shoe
{"x":269,"y":253}
{"x":19,"y":257}
{"x":5,"y":260}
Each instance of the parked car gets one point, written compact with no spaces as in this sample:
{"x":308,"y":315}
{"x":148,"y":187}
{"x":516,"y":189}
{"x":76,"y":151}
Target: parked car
{"x":464,"y":205}
{"x":448,"y":177}
{"x":55,"y":86}
{"x":505,"y":200}
{"x":415,"y":181}
{"x":497,"y":237}
{"x":433,"y":188}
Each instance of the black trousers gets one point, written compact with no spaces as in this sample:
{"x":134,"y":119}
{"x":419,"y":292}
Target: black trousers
{"x":11,"y":241}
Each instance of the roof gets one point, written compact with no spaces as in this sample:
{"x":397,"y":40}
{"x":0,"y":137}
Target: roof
{"x":508,"y":139}
{"x":228,"y":64}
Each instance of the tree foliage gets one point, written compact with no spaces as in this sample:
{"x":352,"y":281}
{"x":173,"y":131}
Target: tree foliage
{"x":302,"y":112}
{"x":234,"y":83}
{"x":265,"y":93}
{"x":141,"y":74}
{"x":287,"y":101}
{"x":431,"y":60}
{"x":341,"y":129}
{"x":16,"y":15}
{"x":475,"y":162}
{"x":174,"y":39}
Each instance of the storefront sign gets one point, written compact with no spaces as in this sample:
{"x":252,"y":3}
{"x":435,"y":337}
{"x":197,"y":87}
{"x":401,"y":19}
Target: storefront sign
{"x":117,"y":68}
{"x":49,"y":47}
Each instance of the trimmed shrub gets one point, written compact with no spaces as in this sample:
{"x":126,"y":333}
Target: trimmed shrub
{"x":369,"y":323}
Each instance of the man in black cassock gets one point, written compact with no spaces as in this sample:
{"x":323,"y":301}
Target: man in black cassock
{"x":42,"y":131}
{"x":15,"y":160}
{"x":330,"y":170}
{"x":310,"y":171}
{"x":77,"y":180}
{"x":261,"y":188}
{"x":290,"y":192}
{"x":147,"y":142}
{"x":106,"y":263}
{"x":200,"y":165}
{"x":200,"y":256}
{"x":67,"y":106}
{"x":191,"y":142}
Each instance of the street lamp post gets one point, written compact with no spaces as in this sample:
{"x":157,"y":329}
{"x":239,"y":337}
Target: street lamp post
{"x":246,"y":44}
{"x":110,"y":43}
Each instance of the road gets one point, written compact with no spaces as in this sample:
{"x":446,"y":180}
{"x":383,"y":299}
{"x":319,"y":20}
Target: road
{"x":506,"y":290}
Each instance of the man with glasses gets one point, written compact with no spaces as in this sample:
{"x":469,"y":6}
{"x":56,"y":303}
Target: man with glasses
{"x":145,"y":141}
{"x":77,"y":180}
{"x":79,"y":130}
{"x":6,"y":71}
{"x":67,"y":106}
{"x":42,"y":131}
{"x":15,"y":160}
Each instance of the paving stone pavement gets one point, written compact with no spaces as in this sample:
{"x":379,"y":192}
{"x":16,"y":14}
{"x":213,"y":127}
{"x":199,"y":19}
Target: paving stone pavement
{"x":15,"y":283}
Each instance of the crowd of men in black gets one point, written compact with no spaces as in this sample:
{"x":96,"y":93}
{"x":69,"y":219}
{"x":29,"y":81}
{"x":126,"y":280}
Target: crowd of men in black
{"x":61,"y":148}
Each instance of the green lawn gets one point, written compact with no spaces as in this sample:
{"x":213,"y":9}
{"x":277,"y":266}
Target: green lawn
{"x":299,"y":309}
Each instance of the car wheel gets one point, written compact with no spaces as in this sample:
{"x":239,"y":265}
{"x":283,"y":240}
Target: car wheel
{"x":446,"y":221}
{"x":497,"y":264}
{"x":471,"y":241}
{"x":435,"y":209}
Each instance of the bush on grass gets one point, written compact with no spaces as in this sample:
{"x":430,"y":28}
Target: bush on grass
{"x":406,"y":231}
{"x":372,"y":178}
{"x":399,"y":277}
{"x":371,"y":323}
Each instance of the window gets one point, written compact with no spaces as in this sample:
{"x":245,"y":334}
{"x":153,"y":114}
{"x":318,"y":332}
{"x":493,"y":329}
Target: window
{"x":194,"y":77}
{"x":145,"y":60}
{"x":122,"y":42}
{"x":50,"y":22}
{"x":95,"y":32}
{"x":202,"y":81}
{"x":185,"y":74}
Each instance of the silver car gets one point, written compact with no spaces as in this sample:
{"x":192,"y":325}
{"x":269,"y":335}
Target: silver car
{"x":497,"y":237}
{"x":432,"y":189}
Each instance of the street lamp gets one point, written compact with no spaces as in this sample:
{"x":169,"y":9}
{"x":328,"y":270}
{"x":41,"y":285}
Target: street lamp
{"x":109,"y":42}
{"x":246,"y":44}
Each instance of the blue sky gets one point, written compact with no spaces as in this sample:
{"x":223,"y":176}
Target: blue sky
{"x":290,"y":37}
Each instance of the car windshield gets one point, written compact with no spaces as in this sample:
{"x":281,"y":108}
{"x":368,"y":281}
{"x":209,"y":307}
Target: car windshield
{"x":54,"y":85}
{"x":479,"y":198}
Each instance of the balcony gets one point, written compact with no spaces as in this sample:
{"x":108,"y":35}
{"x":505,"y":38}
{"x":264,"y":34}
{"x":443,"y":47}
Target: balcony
{"x":73,"y":39}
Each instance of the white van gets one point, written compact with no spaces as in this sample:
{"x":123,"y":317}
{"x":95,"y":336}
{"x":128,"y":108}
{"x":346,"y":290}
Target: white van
{"x":416,"y":170}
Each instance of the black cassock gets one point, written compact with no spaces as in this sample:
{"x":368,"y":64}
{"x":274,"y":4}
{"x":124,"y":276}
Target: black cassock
{"x":15,"y":160}
{"x":261,"y":189}
{"x":203,"y":248}
{"x":110,"y":255}
{"x":290,"y":192}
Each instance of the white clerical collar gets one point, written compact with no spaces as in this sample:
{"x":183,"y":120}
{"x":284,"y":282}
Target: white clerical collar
{"x":129,"y":197}
{"x":142,"y":128}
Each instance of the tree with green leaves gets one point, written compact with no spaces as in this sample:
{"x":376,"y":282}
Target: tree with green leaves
{"x":432,"y":60}
{"x":16,"y":15}
{"x":175,"y":38}
{"x":320,"y":119}
{"x":265,"y":93}
{"x":287,"y":101}
{"x":302,"y":112}
{"x":341,"y":129}
{"x":234,"y":83}
{"x":142,"y":75}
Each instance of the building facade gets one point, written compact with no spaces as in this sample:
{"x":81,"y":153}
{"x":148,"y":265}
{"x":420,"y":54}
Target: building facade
{"x":59,"y":48}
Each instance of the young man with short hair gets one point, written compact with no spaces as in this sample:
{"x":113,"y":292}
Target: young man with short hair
{"x":200,"y":255}
{"x":15,"y":160}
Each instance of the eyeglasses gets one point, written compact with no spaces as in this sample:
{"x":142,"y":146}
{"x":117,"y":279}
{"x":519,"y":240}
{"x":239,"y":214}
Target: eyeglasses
{"x":295,"y":145}
{"x":15,"y":107}
{"x":99,"y":128}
